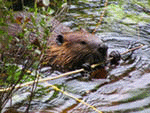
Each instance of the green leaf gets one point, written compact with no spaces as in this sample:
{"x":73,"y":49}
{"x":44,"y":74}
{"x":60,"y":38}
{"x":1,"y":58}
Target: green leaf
{"x":46,"y":2}
{"x":50,"y":11}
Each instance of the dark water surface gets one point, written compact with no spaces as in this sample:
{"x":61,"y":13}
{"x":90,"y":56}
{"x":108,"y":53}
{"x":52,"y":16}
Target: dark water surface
{"x":127,"y":87}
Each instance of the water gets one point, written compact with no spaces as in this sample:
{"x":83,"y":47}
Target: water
{"x":127,"y":87}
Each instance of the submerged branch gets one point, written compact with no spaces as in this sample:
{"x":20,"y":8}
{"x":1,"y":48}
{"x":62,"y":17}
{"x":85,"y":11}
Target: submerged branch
{"x":78,"y":100}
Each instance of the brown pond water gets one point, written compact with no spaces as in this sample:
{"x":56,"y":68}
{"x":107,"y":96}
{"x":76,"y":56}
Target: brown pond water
{"x":127,"y":87}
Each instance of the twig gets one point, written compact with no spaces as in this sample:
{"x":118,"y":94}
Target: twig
{"x":79,"y":100}
{"x":101,"y":17}
{"x":132,"y":49}
{"x":95,"y":65}
{"x":65,"y":74}
{"x":44,"y":79}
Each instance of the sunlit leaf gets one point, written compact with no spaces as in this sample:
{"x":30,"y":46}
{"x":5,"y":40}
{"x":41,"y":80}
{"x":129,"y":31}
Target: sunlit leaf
{"x":46,"y":2}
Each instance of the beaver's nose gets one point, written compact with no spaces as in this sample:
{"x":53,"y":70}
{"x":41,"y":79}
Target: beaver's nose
{"x":103,"y":49}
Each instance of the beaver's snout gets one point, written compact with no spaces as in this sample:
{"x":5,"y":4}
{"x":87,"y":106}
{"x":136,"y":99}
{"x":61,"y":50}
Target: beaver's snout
{"x":103,"y":49}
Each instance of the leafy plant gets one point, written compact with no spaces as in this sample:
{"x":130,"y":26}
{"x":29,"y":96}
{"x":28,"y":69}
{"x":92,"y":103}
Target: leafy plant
{"x":18,"y":50}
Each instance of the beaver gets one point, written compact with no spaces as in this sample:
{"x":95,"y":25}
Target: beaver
{"x":66,"y":49}
{"x":72,"y":49}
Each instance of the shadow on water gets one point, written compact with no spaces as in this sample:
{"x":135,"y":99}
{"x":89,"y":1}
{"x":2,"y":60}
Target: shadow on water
{"x":127,"y":88}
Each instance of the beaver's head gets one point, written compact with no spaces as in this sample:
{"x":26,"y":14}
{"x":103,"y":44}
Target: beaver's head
{"x":72,"y":49}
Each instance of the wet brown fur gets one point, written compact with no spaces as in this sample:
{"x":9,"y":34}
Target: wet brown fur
{"x":78,"y":48}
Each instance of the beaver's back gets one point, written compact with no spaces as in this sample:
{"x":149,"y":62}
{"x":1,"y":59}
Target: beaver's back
{"x":24,"y":21}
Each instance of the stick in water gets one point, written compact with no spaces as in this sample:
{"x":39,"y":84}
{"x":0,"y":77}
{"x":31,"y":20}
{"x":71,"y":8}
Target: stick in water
{"x":68,"y":73}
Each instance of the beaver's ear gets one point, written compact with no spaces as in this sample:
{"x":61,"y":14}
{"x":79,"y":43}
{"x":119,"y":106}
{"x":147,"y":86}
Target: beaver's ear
{"x":83,"y":30}
{"x":60,"y":39}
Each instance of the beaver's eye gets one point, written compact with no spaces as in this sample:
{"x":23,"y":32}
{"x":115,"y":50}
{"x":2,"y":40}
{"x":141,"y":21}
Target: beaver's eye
{"x":60,"y":39}
{"x":83,"y":42}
